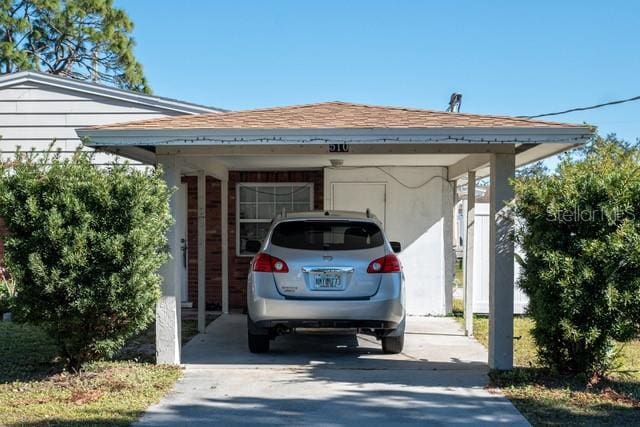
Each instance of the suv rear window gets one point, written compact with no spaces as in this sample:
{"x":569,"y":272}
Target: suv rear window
{"x":327,"y":235}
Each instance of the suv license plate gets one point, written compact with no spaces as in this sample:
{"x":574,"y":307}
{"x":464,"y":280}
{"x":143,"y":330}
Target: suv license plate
{"x":327,"y":282}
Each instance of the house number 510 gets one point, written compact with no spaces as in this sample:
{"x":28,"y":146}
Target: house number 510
{"x":339,"y":148}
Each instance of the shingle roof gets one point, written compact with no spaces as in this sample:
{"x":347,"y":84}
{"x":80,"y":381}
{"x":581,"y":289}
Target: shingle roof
{"x":339,"y":115}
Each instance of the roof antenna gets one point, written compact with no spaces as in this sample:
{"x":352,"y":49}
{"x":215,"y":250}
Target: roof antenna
{"x":283,"y":214}
{"x":455,"y":102}
{"x":368,"y":213}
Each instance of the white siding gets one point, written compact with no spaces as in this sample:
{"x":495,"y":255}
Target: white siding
{"x":420,"y":219}
{"x":33,"y":115}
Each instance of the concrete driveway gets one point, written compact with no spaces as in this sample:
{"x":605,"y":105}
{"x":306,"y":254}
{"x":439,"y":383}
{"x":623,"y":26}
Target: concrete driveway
{"x":334,"y":380}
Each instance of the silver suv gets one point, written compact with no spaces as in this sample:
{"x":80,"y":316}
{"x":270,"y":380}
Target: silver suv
{"x":325,"y":270}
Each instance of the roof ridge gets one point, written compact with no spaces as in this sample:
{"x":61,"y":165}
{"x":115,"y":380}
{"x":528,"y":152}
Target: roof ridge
{"x":428,"y":110}
{"x":111,"y":91}
{"x":393,"y":107}
{"x":335,"y":114}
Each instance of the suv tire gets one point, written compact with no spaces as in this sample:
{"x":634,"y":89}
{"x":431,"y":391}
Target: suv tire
{"x":393,"y":345}
{"x":258,"y":343}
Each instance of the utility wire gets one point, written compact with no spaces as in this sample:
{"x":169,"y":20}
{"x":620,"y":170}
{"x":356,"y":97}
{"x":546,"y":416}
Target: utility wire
{"x":383,"y":170}
{"x":592,"y":107}
{"x":410,"y":187}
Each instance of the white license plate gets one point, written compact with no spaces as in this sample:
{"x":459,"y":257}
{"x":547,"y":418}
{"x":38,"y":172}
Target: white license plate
{"x":327,"y":282}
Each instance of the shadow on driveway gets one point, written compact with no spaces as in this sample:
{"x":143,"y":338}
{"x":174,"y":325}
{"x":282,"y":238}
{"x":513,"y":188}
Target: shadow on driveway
{"x":334,"y":380}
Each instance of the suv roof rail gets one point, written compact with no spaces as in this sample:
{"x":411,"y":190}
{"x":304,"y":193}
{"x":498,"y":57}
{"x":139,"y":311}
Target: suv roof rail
{"x":337,"y":214}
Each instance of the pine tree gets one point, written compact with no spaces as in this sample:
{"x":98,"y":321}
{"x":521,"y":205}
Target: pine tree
{"x":83,"y":39}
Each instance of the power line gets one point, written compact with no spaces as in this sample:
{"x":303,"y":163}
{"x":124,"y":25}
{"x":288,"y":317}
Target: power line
{"x":396,"y":179}
{"x":592,"y":107}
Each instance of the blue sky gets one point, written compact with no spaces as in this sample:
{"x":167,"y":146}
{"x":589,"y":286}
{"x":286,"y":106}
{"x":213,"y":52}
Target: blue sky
{"x":505,"y":57}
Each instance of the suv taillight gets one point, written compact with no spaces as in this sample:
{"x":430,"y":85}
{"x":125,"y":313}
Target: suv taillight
{"x":387,"y":264}
{"x":266,"y":263}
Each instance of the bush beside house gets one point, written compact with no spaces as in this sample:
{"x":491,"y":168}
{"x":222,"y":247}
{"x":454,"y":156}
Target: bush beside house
{"x":581,"y":236}
{"x":7,"y":293}
{"x":84,"y":248}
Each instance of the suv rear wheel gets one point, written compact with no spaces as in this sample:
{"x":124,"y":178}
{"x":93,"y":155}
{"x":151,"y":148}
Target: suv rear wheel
{"x":258,"y":337}
{"x":392,"y":345}
{"x":258,"y":343}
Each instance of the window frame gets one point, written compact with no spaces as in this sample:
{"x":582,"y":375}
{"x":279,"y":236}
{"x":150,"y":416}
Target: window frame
{"x":311,"y":189}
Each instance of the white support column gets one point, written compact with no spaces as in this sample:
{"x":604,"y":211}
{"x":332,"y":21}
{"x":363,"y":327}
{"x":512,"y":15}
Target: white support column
{"x":468,"y":253}
{"x":168,"y":306}
{"x":202,"y":242}
{"x":454,"y":215}
{"x":448,"y":205}
{"x":224,"y":240}
{"x":501,"y":264}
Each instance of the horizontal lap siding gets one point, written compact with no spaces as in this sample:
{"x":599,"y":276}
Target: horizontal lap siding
{"x":80,"y":119}
{"x":32,"y":116}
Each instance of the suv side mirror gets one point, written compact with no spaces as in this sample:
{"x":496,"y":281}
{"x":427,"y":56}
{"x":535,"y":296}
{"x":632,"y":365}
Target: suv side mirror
{"x":396,"y":247}
{"x":253,"y":246}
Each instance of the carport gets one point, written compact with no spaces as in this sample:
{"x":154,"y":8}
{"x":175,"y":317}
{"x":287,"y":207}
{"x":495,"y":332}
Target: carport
{"x":405,"y":160}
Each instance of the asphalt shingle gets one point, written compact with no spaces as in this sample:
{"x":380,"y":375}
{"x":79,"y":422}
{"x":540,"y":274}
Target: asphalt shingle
{"x":335,"y":115}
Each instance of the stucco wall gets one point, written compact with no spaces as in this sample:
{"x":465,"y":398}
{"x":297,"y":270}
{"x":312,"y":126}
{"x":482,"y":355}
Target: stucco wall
{"x":420,"y":219}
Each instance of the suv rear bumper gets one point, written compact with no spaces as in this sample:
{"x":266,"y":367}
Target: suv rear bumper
{"x":281,"y":309}
{"x":266,"y":306}
{"x":328,"y":324}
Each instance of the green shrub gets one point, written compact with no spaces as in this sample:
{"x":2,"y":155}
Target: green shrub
{"x":84,"y":247}
{"x":7,"y":291}
{"x":581,"y":236}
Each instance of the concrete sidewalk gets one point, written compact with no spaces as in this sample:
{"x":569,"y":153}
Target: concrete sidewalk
{"x":334,"y":380}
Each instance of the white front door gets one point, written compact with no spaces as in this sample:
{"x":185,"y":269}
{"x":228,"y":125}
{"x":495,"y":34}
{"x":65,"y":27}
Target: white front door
{"x":181,"y":228}
{"x":360,"y":196}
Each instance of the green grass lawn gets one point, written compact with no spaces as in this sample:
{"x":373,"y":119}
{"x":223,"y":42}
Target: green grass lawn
{"x":545,"y":398}
{"x":458,"y":305}
{"x":459,"y":278}
{"x":142,"y":348}
{"x":34,"y":390}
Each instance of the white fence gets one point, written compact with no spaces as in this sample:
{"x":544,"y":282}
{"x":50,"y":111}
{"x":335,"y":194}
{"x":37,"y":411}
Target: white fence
{"x":481,"y":264}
